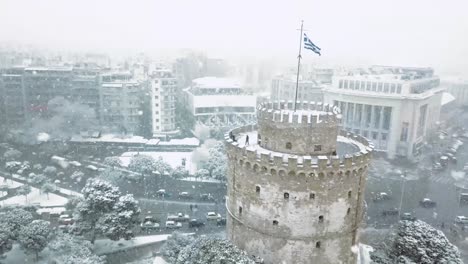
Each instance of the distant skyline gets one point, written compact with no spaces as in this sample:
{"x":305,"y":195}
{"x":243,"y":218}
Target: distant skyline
{"x":414,"y":33}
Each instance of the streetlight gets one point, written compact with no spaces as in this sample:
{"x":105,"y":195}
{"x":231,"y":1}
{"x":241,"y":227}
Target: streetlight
{"x":402,"y":193}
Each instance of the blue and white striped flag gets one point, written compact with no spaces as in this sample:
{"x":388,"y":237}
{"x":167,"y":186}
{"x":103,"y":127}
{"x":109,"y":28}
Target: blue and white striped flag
{"x":308,"y":44}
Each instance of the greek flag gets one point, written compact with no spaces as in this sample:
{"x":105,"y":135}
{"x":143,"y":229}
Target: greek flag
{"x":308,"y":44}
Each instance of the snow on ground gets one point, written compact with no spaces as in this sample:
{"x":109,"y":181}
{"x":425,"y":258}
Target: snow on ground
{"x":193,"y":179}
{"x":182,"y":142}
{"x":36,"y":197}
{"x":364,"y":254}
{"x":159,"y":260}
{"x":9,"y":183}
{"x":172,"y":158}
{"x":106,"y":245}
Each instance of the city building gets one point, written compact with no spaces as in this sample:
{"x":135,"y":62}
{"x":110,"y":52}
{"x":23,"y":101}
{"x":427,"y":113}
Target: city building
{"x":163,"y":87}
{"x":322,"y":75}
{"x":219,"y":102}
{"x":395,"y":107}
{"x":457,"y":87}
{"x":120,"y":101}
{"x":13,"y":99}
{"x":86,"y":86}
{"x":296,"y":185}
{"x":284,"y":88}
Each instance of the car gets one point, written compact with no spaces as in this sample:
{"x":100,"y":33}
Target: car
{"x":180,"y":217}
{"x":75,"y":163}
{"x":390,"y":212}
{"x":408,"y":217}
{"x":427,"y":203}
{"x":173,"y":225}
{"x":91,"y":168}
{"x":461,"y":219}
{"x":65,"y":219}
{"x":464,"y":198}
{"x":221,"y":222}
{"x":161,"y":192}
{"x":196,"y":223}
{"x":212,"y":216}
{"x":382,"y":196}
{"x":184,"y":195}
{"x":149,"y":225}
{"x":206,"y":197}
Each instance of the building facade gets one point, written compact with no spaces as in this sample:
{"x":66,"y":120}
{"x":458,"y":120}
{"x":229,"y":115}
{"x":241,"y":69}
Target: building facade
{"x":296,"y":185}
{"x":13,"y":99}
{"x":394,"y":107}
{"x":284,"y":88}
{"x":459,"y":89}
{"x":219,"y":102}
{"x":120,"y":100}
{"x":163,"y":87}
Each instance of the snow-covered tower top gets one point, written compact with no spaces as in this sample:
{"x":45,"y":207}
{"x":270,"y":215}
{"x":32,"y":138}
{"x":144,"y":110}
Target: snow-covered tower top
{"x":312,"y":129}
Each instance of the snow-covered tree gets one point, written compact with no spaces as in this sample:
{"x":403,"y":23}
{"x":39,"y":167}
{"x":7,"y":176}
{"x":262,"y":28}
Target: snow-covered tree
{"x":174,"y":244}
{"x":50,"y":171}
{"x":212,"y":250}
{"x":69,"y":249}
{"x":37,"y":167}
{"x":12,"y":154}
{"x":142,"y":164}
{"x":216,"y":164}
{"x":180,"y":172}
{"x":162,"y":167}
{"x":38,"y":179}
{"x":12,"y":166}
{"x":15,"y":219}
{"x":417,"y":242}
{"x":115,"y":177}
{"x":103,"y":210}
{"x":77,"y":176}
{"x":24,"y":190}
{"x":201,"y":173}
{"x":35,"y":236}
{"x":48,"y":188}
{"x":113,"y":161}
{"x":6,"y":242}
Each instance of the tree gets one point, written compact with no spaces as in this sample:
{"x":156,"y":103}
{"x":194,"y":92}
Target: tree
{"x":12,"y":154}
{"x":77,"y":176}
{"x":142,"y":164}
{"x":35,"y":236}
{"x":50,"y":171}
{"x":162,"y":167}
{"x":113,"y":162}
{"x":12,"y":166}
{"x":417,"y":242}
{"x":68,"y":249}
{"x":174,"y":244}
{"x":103,"y":210}
{"x":201,"y":173}
{"x":115,"y":177}
{"x":38,"y":179}
{"x":212,"y":250}
{"x":48,"y":188}
{"x":6,"y":242}
{"x":180,"y":172}
{"x":24,"y":190}
{"x":14,"y":220}
{"x":217,"y":161}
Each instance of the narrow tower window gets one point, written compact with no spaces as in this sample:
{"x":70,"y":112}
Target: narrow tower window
{"x":312,"y":196}
{"x":275,"y":222}
{"x":286,"y":196}
{"x":349,"y":211}
{"x":257,"y":189}
{"x":321,"y":219}
{"x":349,"y":194}
{"x":317,"y":244}
{"x":317,"y":147}
{"x":288,"y":145}
{"x":240,"y":210}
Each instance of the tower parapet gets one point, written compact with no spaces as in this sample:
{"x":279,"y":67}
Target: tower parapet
{"x":311,"y":129}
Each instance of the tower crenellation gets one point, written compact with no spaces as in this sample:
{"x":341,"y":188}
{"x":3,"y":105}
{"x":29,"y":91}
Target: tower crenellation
{"x":296,"y":184}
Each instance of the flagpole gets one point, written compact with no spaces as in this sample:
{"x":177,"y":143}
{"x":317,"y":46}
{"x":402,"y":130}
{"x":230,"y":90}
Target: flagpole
{"x":298,"y":64}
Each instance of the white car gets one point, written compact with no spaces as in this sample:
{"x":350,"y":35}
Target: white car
{"x":212,"y":216}
{"x":75,"y":163}
{"x":461,"y":219}
{"x":91,"y":167}
{"x":161,"y":192}
{"x":173,"y":225}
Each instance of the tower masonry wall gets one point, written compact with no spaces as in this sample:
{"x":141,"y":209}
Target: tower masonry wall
{"x":295,"y":208}
{"x":310,"y":129}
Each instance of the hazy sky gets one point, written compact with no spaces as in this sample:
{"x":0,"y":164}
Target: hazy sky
{"x":402,"y":32}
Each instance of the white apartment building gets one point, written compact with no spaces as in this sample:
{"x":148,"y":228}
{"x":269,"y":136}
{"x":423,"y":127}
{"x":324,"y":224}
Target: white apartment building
{"x":121,"y":102}
{"x":284,"y":88}
{"x":219,"y":102}
{"x":395,"y":107}
{"x":163,"y":88}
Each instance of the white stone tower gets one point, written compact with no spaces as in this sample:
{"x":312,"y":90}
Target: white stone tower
{"x":296,"y":190}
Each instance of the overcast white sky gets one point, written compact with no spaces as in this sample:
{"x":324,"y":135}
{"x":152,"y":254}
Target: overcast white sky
{"x":401,"y":32}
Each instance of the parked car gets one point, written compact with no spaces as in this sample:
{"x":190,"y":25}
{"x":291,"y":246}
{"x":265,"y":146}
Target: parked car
{"x":212,"y":216}
{"x":427,"y":203}
{"x":180,"y":217}
{"x":221,"y":222}
{"x":149,"y":225}
{"x":184,"y":195}
{"x":461,"y":219}
{"x":196,"y":223}
{"x":65,"y":220}
{"x":161,"y":192}
{"x":464,"y":198}
{"x":91,"y":168}
{"x":382,"y":196}
{"x":389,"y":212}
{"x":206,"y":197}
{"x":408,"y":217}
{"x":75,"y":163}
{"x":173,"y":225}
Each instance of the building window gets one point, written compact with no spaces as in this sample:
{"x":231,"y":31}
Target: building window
{"x":404,"y":131}
{"x":317,"y":147}
{"x":387,"y":114}
{"x":374,"y":86}
{"x":275,"y":222}
{"x":240,"y":210}
{"x":346,"y":84}
{"x":374,"y":135}
{"x":392,"y":89}
{"x":384,"y":136}
{"x":348,"y":212}
{"x":422,"y":120}
{"x":288,"y":145}
{"x":286,"y":196}
{"x":349,"y":194}
{"x":312,"y":196}
{"x":399,"y":88}
{"x":321,"y":219}
{"x":257,"y":189}
{"x":317,"y":244}
{"x":341,"y":84}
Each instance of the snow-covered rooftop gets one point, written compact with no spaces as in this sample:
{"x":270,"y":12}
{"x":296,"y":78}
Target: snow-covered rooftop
{"x":447,"y":98}
{"x":215,"y":82}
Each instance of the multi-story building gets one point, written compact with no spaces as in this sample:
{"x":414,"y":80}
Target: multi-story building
{"x":219,"y":102}
{"x":85,"y":86}
{"x":284,"y":88}
{"x":395,"y":107}
{"x":296,"y":185}
{"x":459,"y":89}
{"x":13,"y":99}
{"x":163,"y":88}
{"x":120,"y":101}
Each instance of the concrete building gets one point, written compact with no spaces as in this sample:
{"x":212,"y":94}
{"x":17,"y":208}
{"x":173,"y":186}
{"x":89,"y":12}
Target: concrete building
{"x":120,"y":101}
{"x":395,"y":107}
{"x":13,"y":99}
{"x":457,"y":87}
{"x":219,"y":102}
{"x":284,"y":88}
{"x":86,"y":86}
{"x":163,"y":87}
{"x":296,"y":188}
